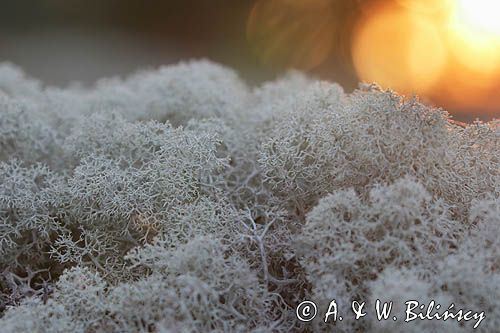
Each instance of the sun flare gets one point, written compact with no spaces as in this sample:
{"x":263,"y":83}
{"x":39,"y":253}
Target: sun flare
{"x":447,"y":51}
{"x":480,"y":15}
{"x":475,"y":34}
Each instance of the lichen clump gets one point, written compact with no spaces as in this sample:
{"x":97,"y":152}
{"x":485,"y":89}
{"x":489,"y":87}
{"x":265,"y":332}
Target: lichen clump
{"x":183,"y":200}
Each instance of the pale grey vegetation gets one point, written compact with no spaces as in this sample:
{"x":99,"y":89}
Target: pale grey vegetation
{"x":183,"y":200}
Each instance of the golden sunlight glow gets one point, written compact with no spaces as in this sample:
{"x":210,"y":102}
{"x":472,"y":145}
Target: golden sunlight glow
{"x":444,"y":50}
{"x":398,"y":50}
{"x":474,"y":36}
{"x":480,"y":15}
{"x":427,"y":6}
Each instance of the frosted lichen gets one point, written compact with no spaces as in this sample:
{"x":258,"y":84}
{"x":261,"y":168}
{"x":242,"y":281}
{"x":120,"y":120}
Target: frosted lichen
{"x":182,"y":200}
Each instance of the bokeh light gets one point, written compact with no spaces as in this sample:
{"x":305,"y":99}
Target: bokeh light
{"x":292,"y":33}
{"x":474,"y":30}
{"x":434,"y":7}
{"x":399,"y":50}
{"x":445,"y":51}
{"x":480,"y":14}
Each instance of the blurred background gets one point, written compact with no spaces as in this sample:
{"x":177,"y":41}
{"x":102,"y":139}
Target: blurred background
{"x":445,"y":51}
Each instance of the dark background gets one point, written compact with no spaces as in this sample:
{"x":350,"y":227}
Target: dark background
{"x":65,"y":40}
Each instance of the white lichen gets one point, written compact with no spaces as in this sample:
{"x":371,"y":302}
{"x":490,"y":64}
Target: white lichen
{"x":183,"y":200}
